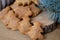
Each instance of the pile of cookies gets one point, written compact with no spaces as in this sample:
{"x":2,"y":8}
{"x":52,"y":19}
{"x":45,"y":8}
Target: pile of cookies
{"x":18,"y":17}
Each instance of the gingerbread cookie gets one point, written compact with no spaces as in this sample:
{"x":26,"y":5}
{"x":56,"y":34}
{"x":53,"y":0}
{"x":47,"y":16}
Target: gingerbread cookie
{"x":10,"y":20}
{"x":35,"y":1}
{"x":35,"y":31}
{"x":27,"y":1}
{"x":13,"y":21}
{"x":34,"y":9}
{"x":4,"y":12}
{"x":24,"y":25}
{"x":14,"y":5}
{"x":23,"y":11}
{"x":23,"y":2}
{"x":6,"y":19}
{"x":19,"y":18}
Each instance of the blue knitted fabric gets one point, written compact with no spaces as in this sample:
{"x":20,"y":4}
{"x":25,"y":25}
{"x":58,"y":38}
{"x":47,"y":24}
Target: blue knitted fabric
{"x":54,"y":8}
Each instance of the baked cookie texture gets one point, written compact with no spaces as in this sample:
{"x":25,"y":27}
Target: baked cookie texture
{"x":34,"y":9}
{"x":35,"y":1}
{"x":18,"y":17}
{"x":23,"y":11}
{"x":27,"y":10}
{"x":24,"y":25}
{"x":23,"y":2}
{"x":13,"y":23}
{"x":35,"y":31}
{"x":4,"y":12}
{"x":10,"y":20}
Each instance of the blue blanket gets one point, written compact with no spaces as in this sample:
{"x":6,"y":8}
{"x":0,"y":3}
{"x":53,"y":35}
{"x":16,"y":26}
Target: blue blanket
{"x":54,"y":7}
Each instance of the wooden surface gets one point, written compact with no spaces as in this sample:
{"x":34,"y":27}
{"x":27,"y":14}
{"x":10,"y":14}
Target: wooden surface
{"x":6,"y":34}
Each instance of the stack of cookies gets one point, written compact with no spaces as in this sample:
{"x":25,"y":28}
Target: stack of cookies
{"x":25,"y":16}
{"x":18,"y":17}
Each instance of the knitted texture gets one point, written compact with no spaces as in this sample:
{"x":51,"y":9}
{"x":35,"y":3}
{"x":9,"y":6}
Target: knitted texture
{"x":54,"y":8}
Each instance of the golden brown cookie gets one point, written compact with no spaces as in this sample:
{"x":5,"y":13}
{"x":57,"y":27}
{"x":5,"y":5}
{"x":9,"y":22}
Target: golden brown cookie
{"x":34,"y":9}
{"x":24,"y":25}
{"x":10,"y":20}
{"x":35,"y":1}
{"x":4,"y":12}
{"x":14,"y":5}
{"x":23,"y":2}
{"x":35,"y":31}
{"x":23,"y":11}
{"x":6,"y":19}
{"x":13,"y":21}
{"x":27,"y":1}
